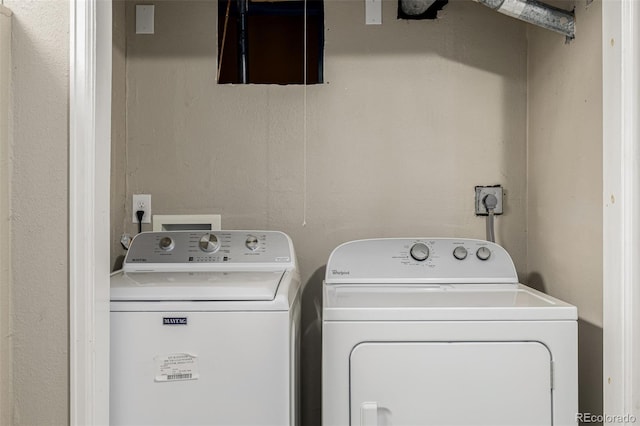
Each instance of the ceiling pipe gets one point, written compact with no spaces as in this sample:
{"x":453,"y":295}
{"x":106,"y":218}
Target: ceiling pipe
{"x":415,"y":7}
{"x":531,"y":11}
{"x":536,"y":13}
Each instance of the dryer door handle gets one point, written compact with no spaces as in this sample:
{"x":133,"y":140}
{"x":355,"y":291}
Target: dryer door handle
{"x":369,"y":414}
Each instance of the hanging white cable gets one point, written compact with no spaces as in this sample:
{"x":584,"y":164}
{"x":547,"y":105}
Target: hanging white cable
{"x":490,"y":231}
{"x":304,"y":121}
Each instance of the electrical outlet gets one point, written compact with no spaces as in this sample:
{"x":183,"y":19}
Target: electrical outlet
{"x":145,"y":18}
{"x":142,"y":202}
{"x":483,"y":191}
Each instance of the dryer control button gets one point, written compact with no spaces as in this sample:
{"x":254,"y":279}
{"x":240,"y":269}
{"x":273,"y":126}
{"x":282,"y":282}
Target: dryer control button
{"x":209,"y":243}
{"x":460,"y":253}
{"x":419,"y":252}
{"x":483,"y":253}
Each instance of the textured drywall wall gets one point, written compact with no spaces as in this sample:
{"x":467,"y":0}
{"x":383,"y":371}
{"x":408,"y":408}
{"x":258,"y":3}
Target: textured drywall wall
{"x":564,"y":243}
{"x":412,"y":115}
{"x":118,"y":132}
{"x":39,"y":199}
{"x":5,"y":229}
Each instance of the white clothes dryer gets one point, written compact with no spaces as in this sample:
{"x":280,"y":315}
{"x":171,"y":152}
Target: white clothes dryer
{"x":205,"y":330}
{"x":438,"y":331}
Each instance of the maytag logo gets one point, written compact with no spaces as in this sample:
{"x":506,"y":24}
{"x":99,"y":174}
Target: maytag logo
{"x":174,"y":320}
{"x":140,"y":259}
{"x":336,"y":272}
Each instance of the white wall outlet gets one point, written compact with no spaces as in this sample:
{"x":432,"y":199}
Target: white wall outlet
{"x":142,"y":202}
{"x":373,"y":12}
{"x":145,"y":18}
{"x":483,"y":191}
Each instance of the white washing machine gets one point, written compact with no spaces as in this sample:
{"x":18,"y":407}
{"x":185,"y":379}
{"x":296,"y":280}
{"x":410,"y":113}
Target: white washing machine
{"x":438,"y":331}
{"x":205,"y":330}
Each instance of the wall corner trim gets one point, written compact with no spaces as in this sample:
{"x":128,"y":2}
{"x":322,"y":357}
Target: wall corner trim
{"x":89,"y":145}
{"x":621,"y":210}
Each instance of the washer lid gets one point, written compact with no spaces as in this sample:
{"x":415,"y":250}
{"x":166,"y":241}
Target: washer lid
{"x":195,"y":286}
{"x":445,"y":302}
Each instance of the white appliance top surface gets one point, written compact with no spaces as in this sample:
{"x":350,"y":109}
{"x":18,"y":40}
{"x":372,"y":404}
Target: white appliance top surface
{"x":454,"y":302}
{"x":195,"y":286}
{"x":229,"y":265}
{"x":431,"y":279}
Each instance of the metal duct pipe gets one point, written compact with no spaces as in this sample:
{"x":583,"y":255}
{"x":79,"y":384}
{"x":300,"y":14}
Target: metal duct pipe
{"x":537,"y":13}
{"x":415,"y":7}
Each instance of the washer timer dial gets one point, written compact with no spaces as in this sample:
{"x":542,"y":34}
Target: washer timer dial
{"x":419,"y":252}
{"x":209,"y":243}
{"x":252,"y":242}
{"x":167,"y":244}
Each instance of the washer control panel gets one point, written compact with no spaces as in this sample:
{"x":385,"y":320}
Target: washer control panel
{"x":432,"y":260}
{"x":183,"y":248}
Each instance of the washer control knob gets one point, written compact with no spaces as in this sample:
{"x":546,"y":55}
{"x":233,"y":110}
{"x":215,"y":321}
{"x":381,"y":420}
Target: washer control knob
{"x":483,"y":253}
{"x":460,"y":253}
{"x":167,"y":243}
{"x":419,"y":251}
{"x":252,"y":242}
{"x":209,"y":243}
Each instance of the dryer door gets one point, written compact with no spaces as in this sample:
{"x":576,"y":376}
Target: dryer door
{"x":451,"y":383}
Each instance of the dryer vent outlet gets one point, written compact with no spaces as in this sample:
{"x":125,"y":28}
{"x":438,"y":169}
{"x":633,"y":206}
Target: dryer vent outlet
{"x":481,"y":193}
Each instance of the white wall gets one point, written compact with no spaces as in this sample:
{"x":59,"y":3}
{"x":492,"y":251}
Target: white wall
{"x":412,"y":115}
{"x":39,"y":213}
{"x":5,"y":228}
{"x":564,"y":243}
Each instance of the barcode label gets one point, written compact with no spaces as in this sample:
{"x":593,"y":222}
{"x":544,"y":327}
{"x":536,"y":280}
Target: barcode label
{"x":176,"y":366}
{"x":179,"y":376}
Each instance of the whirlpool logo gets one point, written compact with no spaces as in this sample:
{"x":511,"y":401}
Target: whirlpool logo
{"x":336,"y":272}
{"x":174,"y":320}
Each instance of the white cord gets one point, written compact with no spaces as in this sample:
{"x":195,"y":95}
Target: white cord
{"x":490,"y":231}
{"x":304,"y":123}
{"x":490,"y":202}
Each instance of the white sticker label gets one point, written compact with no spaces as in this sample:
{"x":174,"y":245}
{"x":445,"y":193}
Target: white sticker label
{"x":178,"y":366}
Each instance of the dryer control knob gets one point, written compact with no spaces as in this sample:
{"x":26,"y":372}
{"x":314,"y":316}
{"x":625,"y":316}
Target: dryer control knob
{"x":460,"y":253}
{"x":209,"y":243}
{"x":483,"y":253}
{"x":167,"y":243}
{"x":419,"y":251}
{"x":252,"y":242}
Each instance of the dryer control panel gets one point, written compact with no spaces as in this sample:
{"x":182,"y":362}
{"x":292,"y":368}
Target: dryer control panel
{"x":172,"y":250}
{"x":420,"y":260}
